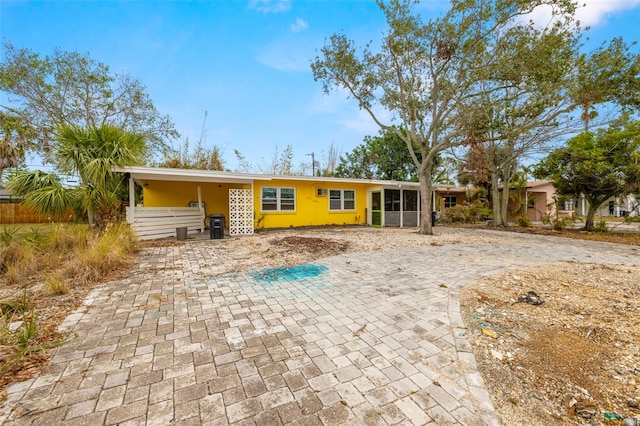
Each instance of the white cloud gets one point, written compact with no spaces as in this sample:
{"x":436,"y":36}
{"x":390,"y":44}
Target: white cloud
{"x":360,"y":120}
{"x":270,"y":6}
{"x":344,"y":111}
{"x":589,"y":12}
{"x":595,"y":12}
{"x":289,"y":55}
{"x":299,"y":25}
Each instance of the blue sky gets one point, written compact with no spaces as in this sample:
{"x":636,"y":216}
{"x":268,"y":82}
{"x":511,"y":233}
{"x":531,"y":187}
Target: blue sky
{"x":244,"y":62}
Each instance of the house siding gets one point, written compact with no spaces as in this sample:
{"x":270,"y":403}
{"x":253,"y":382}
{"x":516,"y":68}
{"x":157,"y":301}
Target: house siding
{"x":171,"y":193}
{"x":311,"y":209}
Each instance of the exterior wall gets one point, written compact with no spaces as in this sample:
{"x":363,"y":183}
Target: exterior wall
{"x":311,"y":209}
{"x":179,"y":194}
{"x":618,"y":206}
{"x":461,"y":198}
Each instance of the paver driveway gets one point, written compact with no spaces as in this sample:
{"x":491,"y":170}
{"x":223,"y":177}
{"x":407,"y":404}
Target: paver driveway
{"x":367,"y":338}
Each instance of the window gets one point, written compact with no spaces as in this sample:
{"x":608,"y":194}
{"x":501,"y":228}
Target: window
{"x":531,"y":203}
{"x":342,"y":199}
{"x":278,"y":199}
{"x":410,"y":201}
{"x":392,"y":200}
{"x":450,"y":201}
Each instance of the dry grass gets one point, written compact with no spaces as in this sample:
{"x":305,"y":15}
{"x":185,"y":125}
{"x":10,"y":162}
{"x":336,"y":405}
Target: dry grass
{"x":103,"y":255}
{"x":39,"y":268}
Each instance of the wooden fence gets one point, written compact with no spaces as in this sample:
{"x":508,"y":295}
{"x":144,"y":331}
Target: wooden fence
{"x":12,"y":213}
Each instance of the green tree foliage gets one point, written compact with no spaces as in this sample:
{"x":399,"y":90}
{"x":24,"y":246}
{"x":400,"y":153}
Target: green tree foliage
{"x":430,"y":75}
{"x":72,"y":89}
{"x":201,"y":158}
{"x":598,"y":165}
{"x":609,"y":74}
{"x":384,"y":156}
{"x":92,"y":154}
{"x":537,"y":95}
{"x":15,"y":139}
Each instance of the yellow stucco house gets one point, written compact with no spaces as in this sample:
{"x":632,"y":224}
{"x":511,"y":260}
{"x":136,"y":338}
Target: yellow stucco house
{"x":175,"y":198}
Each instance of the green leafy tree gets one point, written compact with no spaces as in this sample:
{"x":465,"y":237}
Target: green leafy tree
{"x":92,"y":154}
{"x":72,"y":89}
{"x":429,"y":75}
{"x":609,"y":74}
{"x":597,"y":165}
{"x":384,"y":156}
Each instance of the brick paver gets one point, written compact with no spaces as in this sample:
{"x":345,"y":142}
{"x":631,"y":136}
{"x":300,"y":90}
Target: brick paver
{"x":375,"y":339}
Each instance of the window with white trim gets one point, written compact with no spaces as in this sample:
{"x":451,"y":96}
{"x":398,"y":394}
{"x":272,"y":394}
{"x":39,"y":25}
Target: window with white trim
{"x":277,"y":199}
{"x":342,"y":199}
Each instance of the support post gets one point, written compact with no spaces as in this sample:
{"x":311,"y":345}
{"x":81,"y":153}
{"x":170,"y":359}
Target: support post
{"x":200,"y":209}
{"x":132,"y":201}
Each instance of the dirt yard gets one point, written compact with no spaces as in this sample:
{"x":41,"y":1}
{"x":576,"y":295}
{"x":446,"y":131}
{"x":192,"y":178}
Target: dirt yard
{"x":558,"y":345}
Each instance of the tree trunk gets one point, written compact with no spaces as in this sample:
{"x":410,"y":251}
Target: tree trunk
{"x":504,"y":204}
{"x":495,"y":199}
{"x":91,"y":216}
{"x":591,"y":213}
{"x":426,"y":190}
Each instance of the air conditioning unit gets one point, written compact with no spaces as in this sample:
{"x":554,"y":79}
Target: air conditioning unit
{"x":322,"y":192}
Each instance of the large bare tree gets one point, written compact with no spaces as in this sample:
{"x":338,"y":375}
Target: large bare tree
{"x":72,"y":89}
{"x":429,"y":76}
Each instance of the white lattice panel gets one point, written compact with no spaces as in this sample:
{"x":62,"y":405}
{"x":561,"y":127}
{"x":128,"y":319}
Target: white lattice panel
{"x":240,"y":212}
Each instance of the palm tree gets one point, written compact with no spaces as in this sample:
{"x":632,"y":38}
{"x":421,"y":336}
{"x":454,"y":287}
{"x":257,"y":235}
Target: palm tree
{"x":92,"y":154}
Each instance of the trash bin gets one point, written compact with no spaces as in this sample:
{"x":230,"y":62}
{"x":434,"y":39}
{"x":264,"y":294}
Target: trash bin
{"x":433,"y":218}
{"x":181,"y":233}
{"x":216,"y":226}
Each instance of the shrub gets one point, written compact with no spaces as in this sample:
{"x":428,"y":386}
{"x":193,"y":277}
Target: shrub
{"x":471,"y":213}
{"x":601,"y":227}
{"x":523,"y":222}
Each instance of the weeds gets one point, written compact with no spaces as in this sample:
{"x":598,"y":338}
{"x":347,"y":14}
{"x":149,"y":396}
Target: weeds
{"x":8,"y":234}
{"x":49,"y":261}
{"x":66,"y":238}
{"x":23,"y":346}
{"x":103,"y":254}
{"x":57,"y":285}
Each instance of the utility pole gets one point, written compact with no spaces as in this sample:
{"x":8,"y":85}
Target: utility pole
{"x":313,"y":163}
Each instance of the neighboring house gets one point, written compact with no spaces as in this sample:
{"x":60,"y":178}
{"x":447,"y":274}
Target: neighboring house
{"x":538,"y":196}
{"x":180,"y":197}
{"x":618,"y":207}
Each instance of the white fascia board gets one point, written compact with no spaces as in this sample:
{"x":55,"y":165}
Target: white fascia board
{"x":329,"y":180}
{"x":189,"y":175}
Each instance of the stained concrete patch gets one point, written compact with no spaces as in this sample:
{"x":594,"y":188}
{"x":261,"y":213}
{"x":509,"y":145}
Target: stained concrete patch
{"x":288,"y":273}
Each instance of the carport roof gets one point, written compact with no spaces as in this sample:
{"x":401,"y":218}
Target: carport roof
{"x":142,"y":174}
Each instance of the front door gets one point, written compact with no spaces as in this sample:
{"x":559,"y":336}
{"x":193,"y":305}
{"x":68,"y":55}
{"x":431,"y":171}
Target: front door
{"x":376,"y":209}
